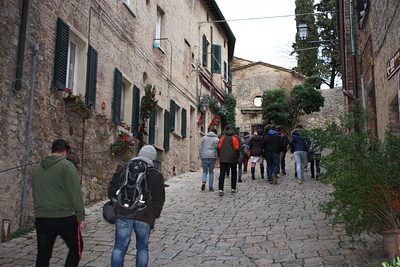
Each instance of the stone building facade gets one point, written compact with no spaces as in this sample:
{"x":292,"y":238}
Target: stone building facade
{"x":371,"y":72}
{"x":250,"y":79}
{"x":107,"y":52}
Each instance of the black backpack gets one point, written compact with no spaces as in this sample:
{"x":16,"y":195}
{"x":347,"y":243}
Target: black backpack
{"x":133,"y":193}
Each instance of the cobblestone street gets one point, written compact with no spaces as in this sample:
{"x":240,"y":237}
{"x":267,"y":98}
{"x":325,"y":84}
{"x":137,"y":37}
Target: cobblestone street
{"x":260,"y":225}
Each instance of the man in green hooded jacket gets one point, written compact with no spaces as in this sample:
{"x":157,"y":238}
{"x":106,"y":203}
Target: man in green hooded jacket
{"x":58,"y":205}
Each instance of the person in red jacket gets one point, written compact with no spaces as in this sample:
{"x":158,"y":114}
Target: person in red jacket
{"x":228,"y":149}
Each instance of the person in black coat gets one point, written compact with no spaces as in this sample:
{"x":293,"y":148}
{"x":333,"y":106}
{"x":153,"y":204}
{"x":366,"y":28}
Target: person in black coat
{"x":272,"y":147}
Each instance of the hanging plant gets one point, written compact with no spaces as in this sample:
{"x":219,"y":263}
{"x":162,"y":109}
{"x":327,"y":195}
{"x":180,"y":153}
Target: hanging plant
{"x":147,"y":104}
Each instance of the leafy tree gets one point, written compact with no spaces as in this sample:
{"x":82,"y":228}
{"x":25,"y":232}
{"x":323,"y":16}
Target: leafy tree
{"x":318,"y":54}
{"x":275,"y":107}
{"x":329,"y":63}
{"x":286,"y":109}
{"x":228,"y":109}
{"x":307,"y":58}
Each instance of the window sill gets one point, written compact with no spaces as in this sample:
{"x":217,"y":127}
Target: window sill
{"x":176,"y":134}
{"x":158,"y":148}
{"x":130,"y":9}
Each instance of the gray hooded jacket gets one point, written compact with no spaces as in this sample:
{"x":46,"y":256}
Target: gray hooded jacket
{"x":208,"y":146}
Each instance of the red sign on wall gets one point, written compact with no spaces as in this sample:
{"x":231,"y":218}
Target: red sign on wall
{"x":393,"y":65}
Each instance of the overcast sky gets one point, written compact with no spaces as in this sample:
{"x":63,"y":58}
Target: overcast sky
{"x":268,"y":40}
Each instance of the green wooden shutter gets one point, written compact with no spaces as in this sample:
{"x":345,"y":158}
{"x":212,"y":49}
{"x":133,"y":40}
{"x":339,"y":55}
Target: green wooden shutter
{"x":135,"y":110}
{"x":172,"y":108}
{"x":166,"y":129}
{"x":216,"y":59}
{"x":61,"y":55}
{"x":152,"y":126}
{"x":230,"y":81}
{"x":205,"y":46}
{"x":91,"y":77}
{"x":225,"y":71}
{"x":183,"y":129}
{"x":116,"y":104}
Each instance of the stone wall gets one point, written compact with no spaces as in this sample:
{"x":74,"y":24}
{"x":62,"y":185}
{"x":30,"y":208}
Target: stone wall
{"x":331,"y":111}
{"x":123,"y":37}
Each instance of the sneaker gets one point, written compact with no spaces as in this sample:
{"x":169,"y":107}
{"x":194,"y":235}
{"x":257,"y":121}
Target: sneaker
{"x":203,"y":187}
{"x":211,"y":189}
{"x":270,"y":181}
{"x":221,"y":193}
{"x":233,"y":191}
{"x":240,"y":181}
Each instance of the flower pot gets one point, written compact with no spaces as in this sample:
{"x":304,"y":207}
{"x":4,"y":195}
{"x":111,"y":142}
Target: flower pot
{"x":101,"y":120}
{"x":391,"y":243}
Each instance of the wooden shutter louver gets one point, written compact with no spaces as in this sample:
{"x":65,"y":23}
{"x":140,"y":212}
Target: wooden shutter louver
{"x":172,"y":110}
{"x":135,"y":110}
{"x":166,"y":129}
{"x":91,"y":77}
{"x":61,"y":55}
{"x":152,"y":126}
{"x":116,"y":104}
{"x":184,"y":123}
{"x":216,"y":59}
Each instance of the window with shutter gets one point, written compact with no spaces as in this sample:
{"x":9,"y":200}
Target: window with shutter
{"x":91,"y":77}
{"x":216,"y":59}
{"x":116,"y":105}
{"x":172,"y":107}
{"x":184,"y":123}
{"x":135,"y":110}
{"x":61,"y":55}
{"x":166,"y":129}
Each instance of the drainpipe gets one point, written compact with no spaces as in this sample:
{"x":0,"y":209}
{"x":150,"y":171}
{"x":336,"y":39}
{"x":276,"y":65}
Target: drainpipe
{"x":353,"y":50}
{"x":342,"y":47}
{"x":21,"y":46}
{"x":28,"y":140}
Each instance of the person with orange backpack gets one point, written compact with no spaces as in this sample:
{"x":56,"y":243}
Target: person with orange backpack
{"x":229,"y":147}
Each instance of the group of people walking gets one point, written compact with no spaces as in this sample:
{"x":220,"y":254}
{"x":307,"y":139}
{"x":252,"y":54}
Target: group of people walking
{"x":270,"y":145}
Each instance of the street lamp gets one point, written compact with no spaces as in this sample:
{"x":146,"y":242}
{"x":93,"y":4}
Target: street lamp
{"x":302,"y":29}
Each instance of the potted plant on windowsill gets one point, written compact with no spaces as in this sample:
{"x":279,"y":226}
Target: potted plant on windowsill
{"x":364,"y":172}
{"x":75,"y":104}
{"x":101,"y":119}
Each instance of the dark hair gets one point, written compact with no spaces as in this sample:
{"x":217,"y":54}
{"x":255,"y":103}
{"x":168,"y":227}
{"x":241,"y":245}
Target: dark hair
{"x":213,"y":130}
{"x":60,"y":145}
{"x":246,"y":133}
{"x":228,"y":127}
{"x":260,"y":132}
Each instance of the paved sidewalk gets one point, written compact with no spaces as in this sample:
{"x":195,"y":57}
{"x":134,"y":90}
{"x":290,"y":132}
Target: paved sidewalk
{"x":260,"y":225}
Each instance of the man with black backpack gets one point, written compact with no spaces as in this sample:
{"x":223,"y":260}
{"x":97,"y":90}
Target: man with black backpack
{"x":138,"y":192}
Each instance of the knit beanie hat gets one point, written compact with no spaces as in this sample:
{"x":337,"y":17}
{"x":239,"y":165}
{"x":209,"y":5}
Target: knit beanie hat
{"x":149,"y":152}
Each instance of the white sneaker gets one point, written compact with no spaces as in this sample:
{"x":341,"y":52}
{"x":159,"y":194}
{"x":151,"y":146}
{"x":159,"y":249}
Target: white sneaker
{"x":221,"y":193}
{"x":233,"y":190}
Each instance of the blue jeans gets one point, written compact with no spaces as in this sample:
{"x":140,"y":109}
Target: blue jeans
{"x":208,"y":168}
{"x":272,"y":164}
{"x":299,"y":158}
{"x":123,"y":233}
